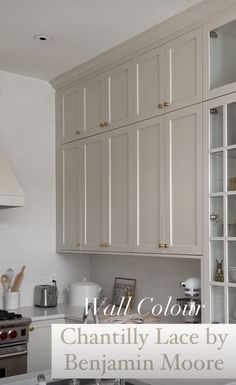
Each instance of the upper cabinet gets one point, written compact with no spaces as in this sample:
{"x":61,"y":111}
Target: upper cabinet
{"x":219,"y":57}
{"x":96,"y":105}
{"x":168,"y":78}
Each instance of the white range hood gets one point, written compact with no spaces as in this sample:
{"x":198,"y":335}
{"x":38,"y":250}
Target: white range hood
{"x":11,"y":193}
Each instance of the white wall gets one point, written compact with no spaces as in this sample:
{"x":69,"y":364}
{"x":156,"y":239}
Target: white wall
{"x":27,"y":235}
{"x":156,"y":277}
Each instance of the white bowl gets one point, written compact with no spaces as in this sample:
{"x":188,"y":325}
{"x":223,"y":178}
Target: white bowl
{"x":232,"y":273}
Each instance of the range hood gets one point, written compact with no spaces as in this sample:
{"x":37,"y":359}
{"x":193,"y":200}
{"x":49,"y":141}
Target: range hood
{"x":11,"y":193}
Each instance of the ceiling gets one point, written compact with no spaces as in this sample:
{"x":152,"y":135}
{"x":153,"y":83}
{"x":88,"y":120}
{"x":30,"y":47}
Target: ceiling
{"x":79,"y":30}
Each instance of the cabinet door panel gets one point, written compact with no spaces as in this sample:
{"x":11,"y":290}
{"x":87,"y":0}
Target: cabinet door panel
{"x":183,"y":58}
{"x":94,"y":99}
{"x":149,"y":195}
{"x":68,"y":201}
{"x":119,"y":96}
{"x":69,"y":104}
{"x":93,"y":192}
{"x":118,"y":189}
{"x":149,"y":84}
{"x":183,"y":181}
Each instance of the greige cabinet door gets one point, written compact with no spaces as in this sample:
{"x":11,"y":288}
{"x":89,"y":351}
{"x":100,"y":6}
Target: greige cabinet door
{"x":93,"y":105}
{"x":69,"y":114}
{"x":69,"y":197}
{"x":149,"y":223}
{"x":183,"y":70}
{"x":183,"y":181}
{"x":93,"y":192}
{"x":118,"y":190}
{"x":148,"y":81}
{"x":119,"y":96}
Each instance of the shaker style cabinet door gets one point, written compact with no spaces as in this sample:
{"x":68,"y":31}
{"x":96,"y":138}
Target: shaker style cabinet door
{"x":118,"y":190}
{"x":118,"y":96}
{"x":183,"y":66}
{"x":69,"y":111}
{"x":94,"y":102}
{"x":148,"y":80}
{"x":183,"y":181}
{"x":149,"y":222}
{"x":93,"y":192}
{"x":69,"y":197}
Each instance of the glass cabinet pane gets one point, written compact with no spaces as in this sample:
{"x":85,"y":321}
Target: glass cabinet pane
{"x":231,"y":123}
{"x":216,"y":217}
{"x":232,"y":261}
{"x":222,"y":55}
{"x":231,"y":159}
{"x":216,"y":172}
{"x":216,"y":127}
{"x":217,"y":256}
{"x":217,"y":304}
{"x":232,"y":304}
{"x":232,"y":216}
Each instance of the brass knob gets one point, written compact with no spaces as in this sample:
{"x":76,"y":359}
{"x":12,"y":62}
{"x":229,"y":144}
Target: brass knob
{"x":161,"y":245}
{"x":161,"y":105}
{"x":102,"y":125}
{"x":106,"y":124}
{"x":167,"y":246}
{"x":77,"y":132}
{"x":166,"y":104}
{"x":31,"y":329}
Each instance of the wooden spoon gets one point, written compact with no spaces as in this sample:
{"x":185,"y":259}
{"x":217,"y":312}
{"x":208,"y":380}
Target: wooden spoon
{"x":18,"y":280}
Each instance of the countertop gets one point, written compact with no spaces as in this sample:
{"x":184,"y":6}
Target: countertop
{"x":76,"y":313}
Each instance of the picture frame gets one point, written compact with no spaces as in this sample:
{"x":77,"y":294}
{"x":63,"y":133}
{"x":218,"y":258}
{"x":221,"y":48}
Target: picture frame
{"x":123,"y":289}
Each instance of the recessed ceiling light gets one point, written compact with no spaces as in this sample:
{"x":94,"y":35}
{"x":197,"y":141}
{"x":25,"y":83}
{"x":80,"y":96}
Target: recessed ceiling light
{"x":42,"y":38}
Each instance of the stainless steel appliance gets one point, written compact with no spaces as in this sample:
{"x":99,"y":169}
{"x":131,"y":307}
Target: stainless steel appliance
{"x":46,"y":295}
{"x":191,"y":304}
{"x":14,"y":334}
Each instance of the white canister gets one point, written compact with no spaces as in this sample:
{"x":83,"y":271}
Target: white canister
{"x":11,"y":300}
{"x":79,"y":291}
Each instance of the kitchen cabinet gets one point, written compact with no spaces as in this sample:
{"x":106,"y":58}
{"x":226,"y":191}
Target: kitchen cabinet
{"x":169,"y":77}
{"x":168,"y":183}
{"x":220,"y":148}
{"x":183,"y":181}
{"x":69,"y":197}
{"x":107,"y":191}
{"x":219,"y":38}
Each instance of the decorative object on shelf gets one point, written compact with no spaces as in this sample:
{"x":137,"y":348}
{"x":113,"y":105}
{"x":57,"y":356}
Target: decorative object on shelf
{"x":123,"y":291}
{"x":219,"y":277}
{"x":232,"y":184}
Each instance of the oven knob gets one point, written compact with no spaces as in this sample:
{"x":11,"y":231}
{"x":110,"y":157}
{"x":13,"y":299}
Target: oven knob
{"x":3,"y":336}
{"x":12,"y":334}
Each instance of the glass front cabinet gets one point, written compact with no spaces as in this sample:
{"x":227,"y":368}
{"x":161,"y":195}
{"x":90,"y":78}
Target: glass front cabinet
{"x":220,"y":139}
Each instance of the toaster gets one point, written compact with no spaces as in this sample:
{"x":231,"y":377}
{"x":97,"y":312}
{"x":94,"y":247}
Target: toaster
{"x":45,"y":295}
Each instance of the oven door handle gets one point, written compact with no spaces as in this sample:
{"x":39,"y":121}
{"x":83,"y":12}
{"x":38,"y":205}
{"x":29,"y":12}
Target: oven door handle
{"x":17,"y":354}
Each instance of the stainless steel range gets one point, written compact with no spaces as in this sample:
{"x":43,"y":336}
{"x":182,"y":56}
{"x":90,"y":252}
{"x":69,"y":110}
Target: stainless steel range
{"x":14,"y":334}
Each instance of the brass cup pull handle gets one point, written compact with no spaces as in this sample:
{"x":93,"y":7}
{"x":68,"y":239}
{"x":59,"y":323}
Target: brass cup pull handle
{"x":107,"y":244}
{"x":166,"y":104}
{"x":102,"y":125}
{"x":31,"y":329}
{"x":167,"y":246}
{"x":161,"y":105}
{"x":78,"y":244}
{"x":161,"y":245}
{"x":106,"y":124}
{"x":77,"y":132}
{"x":102,"y":244}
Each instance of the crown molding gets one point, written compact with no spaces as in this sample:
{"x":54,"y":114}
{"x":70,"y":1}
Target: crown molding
{"x":158,"y":35}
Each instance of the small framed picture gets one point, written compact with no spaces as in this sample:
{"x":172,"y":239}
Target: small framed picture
{"x":123,"y":291}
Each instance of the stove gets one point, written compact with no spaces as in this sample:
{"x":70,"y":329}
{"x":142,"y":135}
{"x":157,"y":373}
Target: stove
{"x":14,"y":335}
